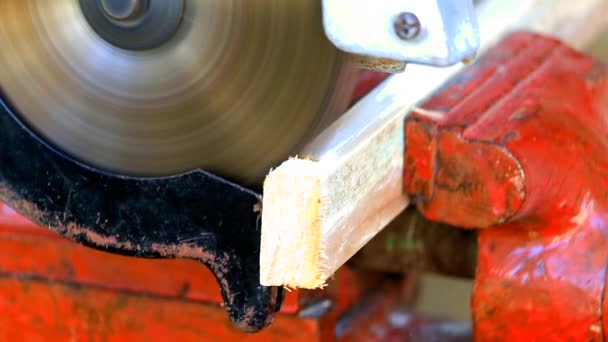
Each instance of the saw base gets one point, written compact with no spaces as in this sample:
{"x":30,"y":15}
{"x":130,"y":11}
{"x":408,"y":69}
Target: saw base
{"x":195,"y":215}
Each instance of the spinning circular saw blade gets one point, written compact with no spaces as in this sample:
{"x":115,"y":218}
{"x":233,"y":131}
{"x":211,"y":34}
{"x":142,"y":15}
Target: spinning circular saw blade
{"x":156,"y":87}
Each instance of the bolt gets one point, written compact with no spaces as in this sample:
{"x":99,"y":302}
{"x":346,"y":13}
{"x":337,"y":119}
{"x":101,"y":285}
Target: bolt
{"x":407,"y":25}
{"x":124,"y":10}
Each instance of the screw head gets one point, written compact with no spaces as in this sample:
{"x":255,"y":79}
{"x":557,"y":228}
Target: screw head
{"x":407,"y":25}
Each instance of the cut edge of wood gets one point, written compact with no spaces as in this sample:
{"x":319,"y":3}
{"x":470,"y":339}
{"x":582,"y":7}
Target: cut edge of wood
{"x":291,"y":229}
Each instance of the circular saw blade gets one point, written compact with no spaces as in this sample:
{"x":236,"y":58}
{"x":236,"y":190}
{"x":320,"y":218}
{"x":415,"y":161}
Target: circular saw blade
{"x":238,"y":88}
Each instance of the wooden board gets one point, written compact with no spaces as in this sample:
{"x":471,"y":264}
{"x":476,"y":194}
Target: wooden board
{"x":321,"y":208}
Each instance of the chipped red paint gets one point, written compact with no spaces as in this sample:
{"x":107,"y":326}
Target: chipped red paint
{"x":40,"y":311}
{"x":42,"y":272}
{"x":521,"y":150}
{"x":45,"y":255}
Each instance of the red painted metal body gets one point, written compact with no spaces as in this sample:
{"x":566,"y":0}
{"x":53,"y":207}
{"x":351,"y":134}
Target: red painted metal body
{"x":521,"y":150}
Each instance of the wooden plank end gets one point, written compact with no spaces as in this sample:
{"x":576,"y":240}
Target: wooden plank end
{"x":291,"y":239}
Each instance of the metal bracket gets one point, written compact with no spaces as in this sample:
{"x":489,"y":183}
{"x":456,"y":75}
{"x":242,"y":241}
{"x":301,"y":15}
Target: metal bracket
{"x":439,"y":33}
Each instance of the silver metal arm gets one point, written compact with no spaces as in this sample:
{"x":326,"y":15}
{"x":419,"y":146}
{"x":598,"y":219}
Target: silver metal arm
{"x":432,"y":32}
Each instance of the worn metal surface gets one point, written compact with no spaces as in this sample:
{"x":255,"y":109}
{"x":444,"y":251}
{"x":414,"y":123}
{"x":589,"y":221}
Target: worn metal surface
{"x":46,"y":256}
{"x":60,"y":290}
{"x":413,"y":243}
{"x":519,"y":148}
{"x":195,"y":215}
{"x":40,"y":311}
{"x":378,"y":64}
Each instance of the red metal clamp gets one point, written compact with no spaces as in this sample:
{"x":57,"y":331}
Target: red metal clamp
{"x":520,"y":148}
